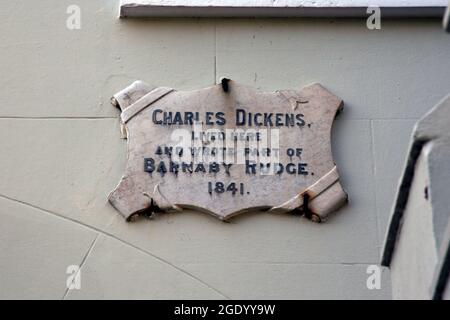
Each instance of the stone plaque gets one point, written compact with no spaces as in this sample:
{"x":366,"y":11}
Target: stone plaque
{"x":228,"y":149}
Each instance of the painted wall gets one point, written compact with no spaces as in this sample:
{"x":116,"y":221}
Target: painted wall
{"x":61,"y":152}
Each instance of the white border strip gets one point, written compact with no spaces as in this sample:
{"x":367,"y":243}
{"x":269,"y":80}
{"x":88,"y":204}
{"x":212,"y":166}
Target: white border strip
{"x":279,"y":8}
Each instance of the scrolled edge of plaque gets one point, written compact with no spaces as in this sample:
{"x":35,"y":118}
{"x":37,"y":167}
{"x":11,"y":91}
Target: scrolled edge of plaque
{"x":144,"y":192}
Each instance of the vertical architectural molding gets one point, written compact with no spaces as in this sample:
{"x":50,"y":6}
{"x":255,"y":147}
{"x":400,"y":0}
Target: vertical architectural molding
{"x":424,"y":179}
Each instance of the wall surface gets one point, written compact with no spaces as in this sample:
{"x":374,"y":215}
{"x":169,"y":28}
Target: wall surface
{"x":61,"y":152}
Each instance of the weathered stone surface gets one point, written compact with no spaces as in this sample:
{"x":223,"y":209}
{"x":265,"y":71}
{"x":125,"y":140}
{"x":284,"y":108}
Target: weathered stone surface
{"x":301,"y":173}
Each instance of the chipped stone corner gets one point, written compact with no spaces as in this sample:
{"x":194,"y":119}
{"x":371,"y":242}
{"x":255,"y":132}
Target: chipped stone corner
{"x":318,"y":201}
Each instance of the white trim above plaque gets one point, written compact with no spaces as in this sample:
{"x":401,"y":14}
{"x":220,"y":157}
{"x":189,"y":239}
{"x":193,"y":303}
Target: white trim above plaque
{"x":228,"y":149}
{"x":279,"y":8}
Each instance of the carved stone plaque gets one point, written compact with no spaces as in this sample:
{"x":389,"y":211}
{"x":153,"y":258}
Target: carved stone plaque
{"x":228,"y":149}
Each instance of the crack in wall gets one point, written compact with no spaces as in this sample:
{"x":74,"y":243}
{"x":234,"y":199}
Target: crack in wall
{"x":162,"y":260}
{"x":83,"y":261}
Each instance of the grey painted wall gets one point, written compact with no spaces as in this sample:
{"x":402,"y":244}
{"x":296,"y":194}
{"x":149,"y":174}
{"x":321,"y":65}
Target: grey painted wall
{"x":61,"y":151}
